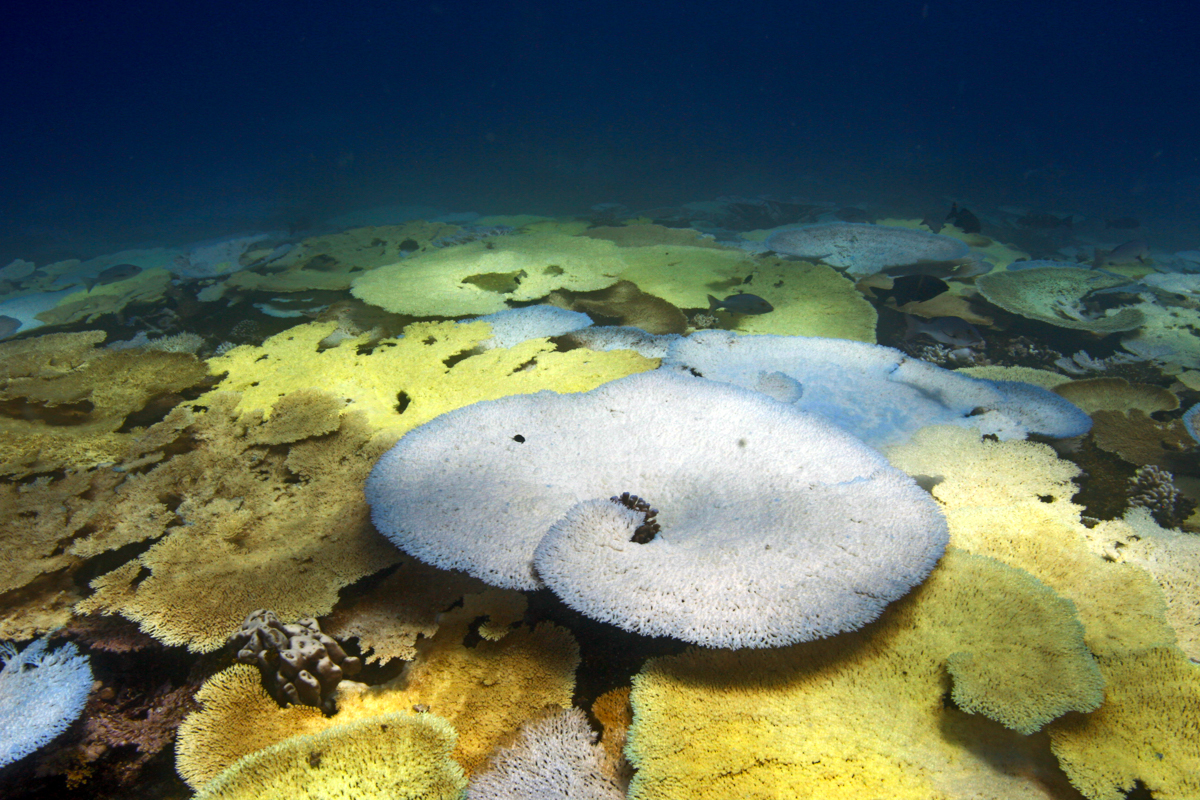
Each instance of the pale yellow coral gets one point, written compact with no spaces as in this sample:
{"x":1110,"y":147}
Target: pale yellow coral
{"x":862,"y":715}
{"x":1171,"y":557}
{"x":1011,"y":500}
{"x":809,"y":300}
{"x":1148,"y":729}
{"x":402,"y":607}
{"x":1117,"y":394}
{"x":380,"y":758}
{"x":486,"y":691}
{"x":145,"y":287}
{"x":262,"y":529}
{"x":478,"y":278}
{"x":236,"y":717}
{"x":969,"y":472}
{"x":406,"y":382}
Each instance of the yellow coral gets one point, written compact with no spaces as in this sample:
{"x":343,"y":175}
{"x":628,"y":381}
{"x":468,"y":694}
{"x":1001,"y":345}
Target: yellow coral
{"x":380,"y":758}
{"x":236,"y":718}
{"x":406,"y":382}
{"x":486,"y":691}
{"x":478,"y":278}
{"x":145,"y":287}
{"x":263,"y":529}
{"x":1117,"y":394}
{"x":1148,"y":729}
{"x":862,"y":715}
{"x":1011,"y":500}
{"x":809,"y":300}
{"x":1171,"y":557}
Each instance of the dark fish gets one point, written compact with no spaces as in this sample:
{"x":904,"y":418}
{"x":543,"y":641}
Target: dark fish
{"x":741,"y":304}
{"x":963,"y":219}
{"x":1036,"y":219}
{"x":1136,"y":251}
{"x":1124,"y":223}
{"x":947,"y":330}
{"x":8,"y":325}
{"x":119,"y":272}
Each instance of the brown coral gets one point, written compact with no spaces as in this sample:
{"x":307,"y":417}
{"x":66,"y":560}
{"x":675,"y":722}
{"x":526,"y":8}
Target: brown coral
{"x":303,"y":666}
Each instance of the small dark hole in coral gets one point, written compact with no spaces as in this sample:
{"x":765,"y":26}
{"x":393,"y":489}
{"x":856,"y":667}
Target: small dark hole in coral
{"x":402,"y":401}
{"x":519,"y":439}
{"x":457,"y":357}
{"x":1046,"y":498}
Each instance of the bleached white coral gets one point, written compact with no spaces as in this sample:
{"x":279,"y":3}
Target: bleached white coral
{"x":41,"y":693}
{"x":555,"y":758}
{"x":776,"y":526}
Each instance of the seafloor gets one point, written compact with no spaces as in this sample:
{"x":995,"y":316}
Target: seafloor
{"x":188,"y":430}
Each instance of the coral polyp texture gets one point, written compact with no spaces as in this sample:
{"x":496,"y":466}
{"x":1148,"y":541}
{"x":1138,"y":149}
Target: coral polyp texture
{"x":776,"y":526}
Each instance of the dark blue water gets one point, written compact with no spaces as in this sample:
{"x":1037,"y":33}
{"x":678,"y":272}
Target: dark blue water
{"x":136,"y":123}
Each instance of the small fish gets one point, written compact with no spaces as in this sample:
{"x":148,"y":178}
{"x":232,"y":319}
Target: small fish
{"x":953,"y":331}
{"x":963,"y":219}
{"x":8,"y":325}
{"x":119,"y":272}
{"x":1124,"y":223}
{"x":741,"y":304}
{"x":1036,"y":219}
{"x":1134,"y":252}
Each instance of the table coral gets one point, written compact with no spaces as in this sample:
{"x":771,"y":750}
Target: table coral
{"x":1012,"y":501}
{"x":282,"y":528}
{"x":863,"y":715}
{"x":554,"y":757}
{"x":146,"y":287}
{"x":404,"y":382}
{"x":1148,"y":729}
{"x":65,"y":403}
{"x":486,"y":692}
{"x":479,"y":278}
{"x":380,"y":758}
{"x":794,"y":528}
{"x":1058,"y":296}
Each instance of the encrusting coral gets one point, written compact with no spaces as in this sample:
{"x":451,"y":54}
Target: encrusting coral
{"x":302,"y":665}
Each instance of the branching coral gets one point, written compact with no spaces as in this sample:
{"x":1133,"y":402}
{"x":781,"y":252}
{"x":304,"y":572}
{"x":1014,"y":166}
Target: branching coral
{"x":1153,"y":489}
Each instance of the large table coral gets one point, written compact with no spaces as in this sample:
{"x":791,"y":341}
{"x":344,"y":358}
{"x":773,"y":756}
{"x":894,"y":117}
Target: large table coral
{"x":404,"y":382}
{"x":257,"y":526}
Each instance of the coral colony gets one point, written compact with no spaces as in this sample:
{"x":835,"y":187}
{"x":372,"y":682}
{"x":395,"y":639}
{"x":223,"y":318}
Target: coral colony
{"x":519,"y":508}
